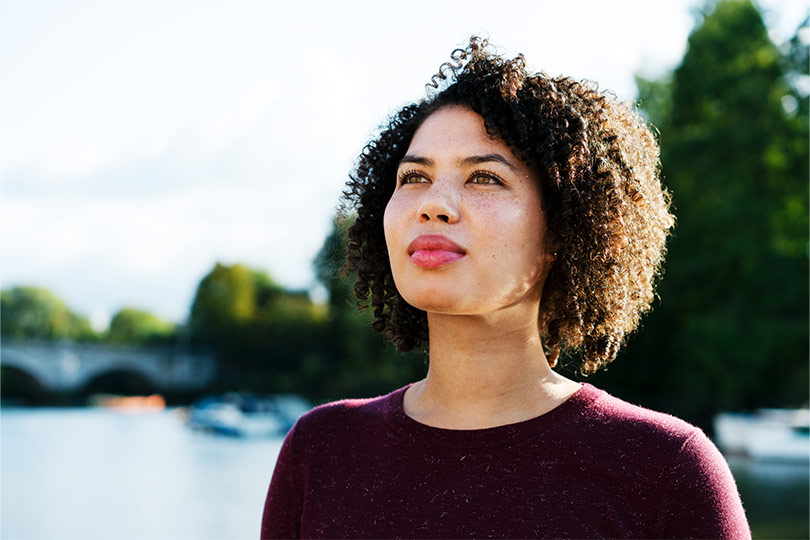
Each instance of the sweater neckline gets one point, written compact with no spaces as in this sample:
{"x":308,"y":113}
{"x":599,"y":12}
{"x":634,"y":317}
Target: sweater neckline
{"x":409,"y":428}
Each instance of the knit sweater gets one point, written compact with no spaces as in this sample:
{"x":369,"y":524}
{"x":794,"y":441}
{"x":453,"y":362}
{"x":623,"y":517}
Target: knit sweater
{"x":593,"y":467}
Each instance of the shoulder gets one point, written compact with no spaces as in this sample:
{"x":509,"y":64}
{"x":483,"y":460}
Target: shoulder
{"x":652,"y":442}
{"x":345,"y":410}
{"x":684,"y":449}
{"x":338,"y":420}
{"x":698,"y":495}
{"x":612,"y":417}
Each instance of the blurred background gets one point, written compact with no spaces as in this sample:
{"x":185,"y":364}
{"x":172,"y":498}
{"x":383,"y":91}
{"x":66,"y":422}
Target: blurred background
{"x":170,"y":242}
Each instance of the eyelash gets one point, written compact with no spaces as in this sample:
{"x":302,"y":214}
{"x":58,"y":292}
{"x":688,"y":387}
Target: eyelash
{"x":411,"y":173}
{"x":496,"y":180}
{"x":405,"y":176}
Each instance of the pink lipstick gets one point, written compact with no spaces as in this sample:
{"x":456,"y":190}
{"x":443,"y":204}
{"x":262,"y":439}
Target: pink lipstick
{"x":434,"y":251}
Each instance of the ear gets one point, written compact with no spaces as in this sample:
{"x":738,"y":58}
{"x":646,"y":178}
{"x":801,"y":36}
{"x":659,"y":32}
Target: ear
{"x":553,"y":248}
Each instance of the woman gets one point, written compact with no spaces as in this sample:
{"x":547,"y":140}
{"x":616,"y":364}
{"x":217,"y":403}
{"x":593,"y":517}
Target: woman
{"x":503,"y":220}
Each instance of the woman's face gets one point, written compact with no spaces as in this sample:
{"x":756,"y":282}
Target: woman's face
{"x":465,"y":226}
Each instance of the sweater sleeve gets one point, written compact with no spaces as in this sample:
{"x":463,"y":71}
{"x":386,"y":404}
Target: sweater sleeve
{"x":703,"y":501}
{"x":282,"y":508}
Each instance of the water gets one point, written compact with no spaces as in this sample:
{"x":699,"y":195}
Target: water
{"x":776,"y":497}
{"x":95,"y":473}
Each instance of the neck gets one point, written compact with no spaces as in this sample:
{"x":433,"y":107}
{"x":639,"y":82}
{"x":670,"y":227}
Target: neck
{"x":485,"y":371}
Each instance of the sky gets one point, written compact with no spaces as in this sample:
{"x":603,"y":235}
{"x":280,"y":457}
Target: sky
{"x":143,"y":141}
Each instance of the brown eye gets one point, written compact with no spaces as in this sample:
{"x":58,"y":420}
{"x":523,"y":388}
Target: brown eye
{"x":412,"y":177}
{"x":483,"y":178}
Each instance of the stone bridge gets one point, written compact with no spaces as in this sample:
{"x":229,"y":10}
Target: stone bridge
{"x":66,"y":367}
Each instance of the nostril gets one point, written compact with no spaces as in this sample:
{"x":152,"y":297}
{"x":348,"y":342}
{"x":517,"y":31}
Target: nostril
{"x":426,"y":217}
{"x":444,"y":218}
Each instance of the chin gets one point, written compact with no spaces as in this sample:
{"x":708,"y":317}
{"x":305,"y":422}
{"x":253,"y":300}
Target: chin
{"x":435,"y":301}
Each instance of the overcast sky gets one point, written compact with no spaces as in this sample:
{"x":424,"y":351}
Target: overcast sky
{"x":142,"y":141}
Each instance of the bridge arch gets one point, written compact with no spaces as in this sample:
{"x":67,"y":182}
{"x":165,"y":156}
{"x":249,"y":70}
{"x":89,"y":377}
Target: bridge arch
{"x":25,"y":362}
{"x":19,"y":385}
{"x":119,"y":381}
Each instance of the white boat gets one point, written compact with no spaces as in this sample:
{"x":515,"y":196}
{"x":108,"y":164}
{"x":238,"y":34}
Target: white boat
{"x":246,"y":415}
{"x":766,"y":435}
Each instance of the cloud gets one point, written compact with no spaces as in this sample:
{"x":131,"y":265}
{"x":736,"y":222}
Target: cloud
{"x":239,"y":186}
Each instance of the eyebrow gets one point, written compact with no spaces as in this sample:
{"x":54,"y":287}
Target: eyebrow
{"x":488,"y":158}
{"x":471,"y":160}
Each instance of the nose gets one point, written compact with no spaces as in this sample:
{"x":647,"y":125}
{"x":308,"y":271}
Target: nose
{"x":438,"y":205}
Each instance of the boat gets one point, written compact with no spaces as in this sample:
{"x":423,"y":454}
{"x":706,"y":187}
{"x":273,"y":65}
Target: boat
{"x":238,"y":414}
{"x":129,"y":404}
{"x":781,"y":435}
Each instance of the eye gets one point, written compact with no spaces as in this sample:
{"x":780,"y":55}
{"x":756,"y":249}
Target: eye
{"x":412,"y":177}
{"x":484,"y":178}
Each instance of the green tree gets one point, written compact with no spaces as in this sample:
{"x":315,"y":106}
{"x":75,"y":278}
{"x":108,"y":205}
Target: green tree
{"x":731,"y":328}
{"x":263,"y":334}
{"x":227,"y":297}
{"x":136,"y":326}
{"x":36,"y":313}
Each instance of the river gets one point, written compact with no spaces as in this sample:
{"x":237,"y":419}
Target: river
{"x":95,"y":473}
{"x":91,"y":473}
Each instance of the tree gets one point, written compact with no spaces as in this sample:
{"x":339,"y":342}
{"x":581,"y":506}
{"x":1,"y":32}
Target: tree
{"x":136,"y":326}
{"x":263,"y":334}
{"x":226,"y":298}
{"x":36,"y":313}
{"x":731,"y":330}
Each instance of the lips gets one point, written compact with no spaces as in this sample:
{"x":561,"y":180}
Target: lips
{"x":434,"y":251}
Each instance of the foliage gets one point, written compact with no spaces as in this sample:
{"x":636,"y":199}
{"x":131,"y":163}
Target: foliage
{"x":731,"y":330}
{"x":136,"y":326}
{"x":36,"y":313}
{"x":227,"y":297}
{"x":261,"y":333}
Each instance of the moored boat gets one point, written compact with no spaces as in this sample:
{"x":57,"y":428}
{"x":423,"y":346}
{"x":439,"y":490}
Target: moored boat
{"x":246,"y":415}
{"x":766,"y":435}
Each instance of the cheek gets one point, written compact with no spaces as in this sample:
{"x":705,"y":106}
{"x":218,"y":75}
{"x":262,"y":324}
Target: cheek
{"x":515,"y":234}
{"x":510,"y":223}
{"x":390,"y":223}
{"x":394,"y":224}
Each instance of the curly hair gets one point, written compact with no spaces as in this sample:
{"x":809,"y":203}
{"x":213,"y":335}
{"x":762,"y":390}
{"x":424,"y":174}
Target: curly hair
{"x":598,"y":164}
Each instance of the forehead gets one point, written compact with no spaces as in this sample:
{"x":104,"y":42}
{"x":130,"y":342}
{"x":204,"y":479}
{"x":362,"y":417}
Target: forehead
{"x":456,"y":130}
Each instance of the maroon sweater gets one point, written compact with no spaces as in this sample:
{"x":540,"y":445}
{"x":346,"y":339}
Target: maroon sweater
{"x":594,"y":467}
